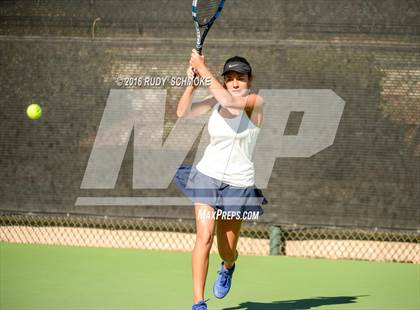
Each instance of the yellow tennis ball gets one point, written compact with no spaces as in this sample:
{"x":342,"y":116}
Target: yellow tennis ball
{"x":34,"y":111}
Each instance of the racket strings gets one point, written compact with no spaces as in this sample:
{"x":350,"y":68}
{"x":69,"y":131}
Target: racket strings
{"x":206,"y":9}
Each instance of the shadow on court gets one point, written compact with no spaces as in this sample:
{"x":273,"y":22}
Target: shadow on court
{"x":299,"y":304}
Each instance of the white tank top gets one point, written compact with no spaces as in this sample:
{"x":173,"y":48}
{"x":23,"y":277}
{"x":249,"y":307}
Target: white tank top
{"x":228,"y":157}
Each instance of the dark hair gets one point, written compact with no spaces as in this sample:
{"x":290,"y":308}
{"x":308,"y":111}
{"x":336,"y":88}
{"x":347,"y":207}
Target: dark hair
{"x":240,"y":59}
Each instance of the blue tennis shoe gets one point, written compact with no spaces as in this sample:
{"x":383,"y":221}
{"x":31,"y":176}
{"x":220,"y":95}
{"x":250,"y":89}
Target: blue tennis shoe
{"x":223,"y":282}
{"x":201,"y":305}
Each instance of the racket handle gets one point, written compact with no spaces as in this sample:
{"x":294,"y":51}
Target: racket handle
{"x":200,"y":52}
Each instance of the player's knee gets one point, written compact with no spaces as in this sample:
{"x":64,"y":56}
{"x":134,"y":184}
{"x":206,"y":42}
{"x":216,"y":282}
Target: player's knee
{"x":204,"y":239}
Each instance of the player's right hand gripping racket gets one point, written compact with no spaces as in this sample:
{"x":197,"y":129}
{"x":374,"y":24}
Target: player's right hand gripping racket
{"x":204,"y":13}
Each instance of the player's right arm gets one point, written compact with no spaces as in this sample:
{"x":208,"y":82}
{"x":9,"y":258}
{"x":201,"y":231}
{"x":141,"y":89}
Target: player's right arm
{"x":188,"y":109}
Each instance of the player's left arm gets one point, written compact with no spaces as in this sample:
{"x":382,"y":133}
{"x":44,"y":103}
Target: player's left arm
{"x":256,"y":103}
{"x":254,"y":108}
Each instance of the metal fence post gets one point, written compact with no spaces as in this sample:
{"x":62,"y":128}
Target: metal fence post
{"x":276,"y":241}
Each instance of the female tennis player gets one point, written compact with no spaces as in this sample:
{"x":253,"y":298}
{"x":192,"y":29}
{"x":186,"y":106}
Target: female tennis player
{"x":222,"y":183}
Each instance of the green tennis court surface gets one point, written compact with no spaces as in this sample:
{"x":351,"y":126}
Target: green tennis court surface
{"x":56,"y":277}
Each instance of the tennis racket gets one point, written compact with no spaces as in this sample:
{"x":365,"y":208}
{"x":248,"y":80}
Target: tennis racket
{"x":204,"y":13}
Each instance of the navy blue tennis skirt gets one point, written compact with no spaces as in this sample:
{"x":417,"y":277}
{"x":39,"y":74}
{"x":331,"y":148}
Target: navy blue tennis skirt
{"x":201,"y":188}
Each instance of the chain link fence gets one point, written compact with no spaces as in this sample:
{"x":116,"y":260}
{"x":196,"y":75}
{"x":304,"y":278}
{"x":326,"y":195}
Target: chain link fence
{"x":179,"y":235}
